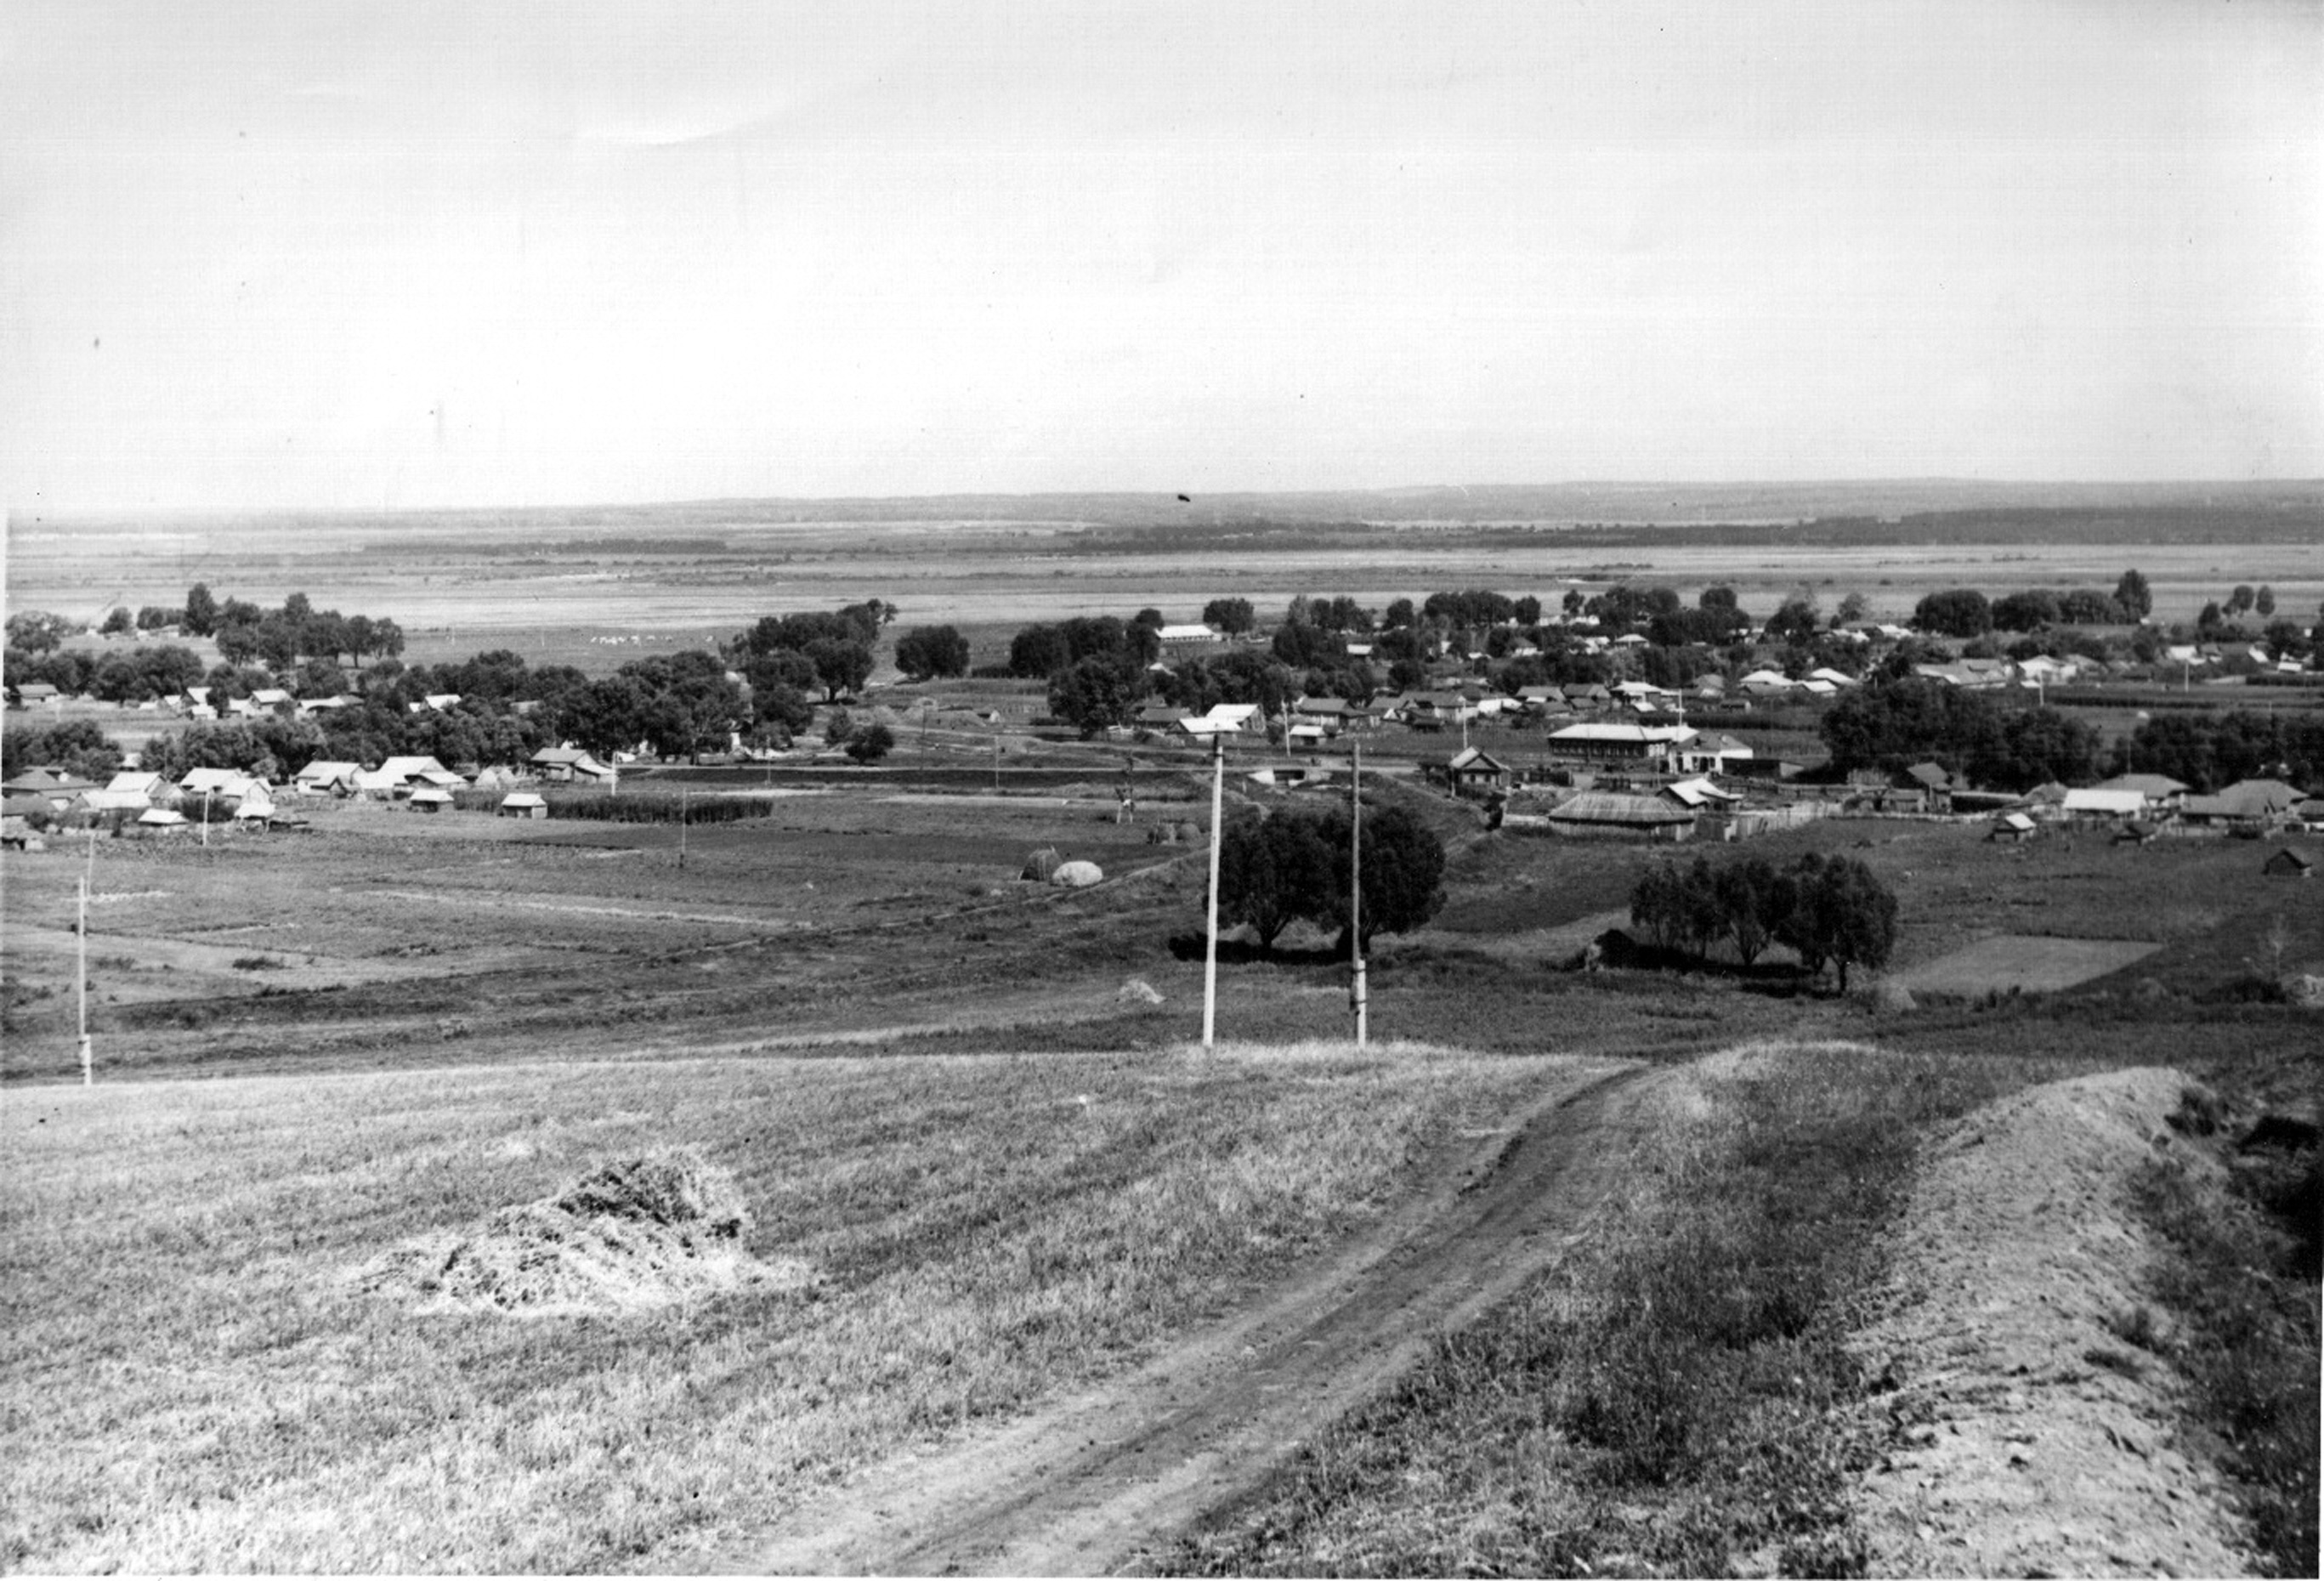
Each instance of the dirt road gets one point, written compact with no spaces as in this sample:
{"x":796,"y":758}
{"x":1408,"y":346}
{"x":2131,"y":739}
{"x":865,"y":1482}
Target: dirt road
{"x":1099,"y":1483}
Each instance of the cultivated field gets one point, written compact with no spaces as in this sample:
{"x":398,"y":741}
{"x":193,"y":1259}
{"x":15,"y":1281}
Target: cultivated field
{"x":197,"y":1380}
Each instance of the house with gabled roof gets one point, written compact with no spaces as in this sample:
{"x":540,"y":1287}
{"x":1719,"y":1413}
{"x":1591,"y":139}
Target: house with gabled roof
{"x":327,"y":777}
{"x":1471,"y":772}
{"x":1609,"y":814}
{"x":570,"y":765}
{"x":2162,"y":792}
{"x":1699,"y":795}
{"x":2096,"y":802}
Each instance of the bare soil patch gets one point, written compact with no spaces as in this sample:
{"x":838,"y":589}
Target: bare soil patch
{"x":2034,"y":1424}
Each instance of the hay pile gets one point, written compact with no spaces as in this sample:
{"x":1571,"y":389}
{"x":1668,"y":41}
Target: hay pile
{"x":638,"y":1235}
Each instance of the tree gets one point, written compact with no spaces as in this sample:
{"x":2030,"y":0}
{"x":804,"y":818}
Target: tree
{"x":1403,"y":871}
{"x":2241,"y":598}
{"x":37,"y":630}
{"x":871,"y":743}
{"x":1797,"y":622}
{"x":1851,"y":610}
{"x":1233,"y":616}
{"x":119,"y":621}
{"x":77,"y":747}
{"x":2137,"y":601}
{"x":201,"y":611}
{"x":2029,"y":611}
{"x":1039,"y":652}
{"x":2034,"y":746}
{"x":840,"y":666}
{"x":927,"y":651}
{"x":2263,"y":601}
{"x":1304,"y":645}
{"x":1399,"y":615}
{"x":1894,"y":724}
{"x":1960,"y":611}
{"x":1834,"y":910}
{"x":1747,"y":892}
{"x":1097,"y":695}
{"x":1273,"y":871}
{"x":2211,"y":618}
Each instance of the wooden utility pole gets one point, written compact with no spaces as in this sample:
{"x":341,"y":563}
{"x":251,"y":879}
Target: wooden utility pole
{"x":1211,"y":941}
{"x":682,"y":828}
{"x":1356,"y":887}
{"x":81,"y":935}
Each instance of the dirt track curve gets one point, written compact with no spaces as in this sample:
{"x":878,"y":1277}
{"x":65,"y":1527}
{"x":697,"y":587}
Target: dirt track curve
{"x":1099,"y":1482}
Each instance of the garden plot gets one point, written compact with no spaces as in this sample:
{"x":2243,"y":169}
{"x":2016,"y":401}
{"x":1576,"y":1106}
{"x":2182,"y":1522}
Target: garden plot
{"x":2026,"y":962}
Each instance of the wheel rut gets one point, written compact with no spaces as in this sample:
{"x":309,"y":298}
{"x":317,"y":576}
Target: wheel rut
{"x":1101,"y":1482}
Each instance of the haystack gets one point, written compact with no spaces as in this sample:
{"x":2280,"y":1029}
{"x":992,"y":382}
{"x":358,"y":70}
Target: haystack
{"x":638,"y":1235}
{"x":1888,"y":996}
{"x":1077,"y":875}
{"x":1041,"y":864}
{"x":1137,"y":990}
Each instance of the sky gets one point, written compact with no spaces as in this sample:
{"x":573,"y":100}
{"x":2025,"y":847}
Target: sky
{"x":416,"y":255}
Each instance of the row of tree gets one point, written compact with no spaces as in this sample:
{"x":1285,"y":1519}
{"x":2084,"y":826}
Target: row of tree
{"x":1830,"y":910}
{"x":1280,"y":868}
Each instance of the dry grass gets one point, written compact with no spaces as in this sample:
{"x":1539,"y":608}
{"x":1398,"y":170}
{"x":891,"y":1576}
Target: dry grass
{"x":195,"y":1380}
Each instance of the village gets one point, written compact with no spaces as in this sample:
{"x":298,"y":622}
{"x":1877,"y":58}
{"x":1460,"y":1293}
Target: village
{"x":1622,"y":758}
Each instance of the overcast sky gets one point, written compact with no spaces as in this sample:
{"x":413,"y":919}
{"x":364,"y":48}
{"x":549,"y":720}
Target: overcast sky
{"x":481,"y":254}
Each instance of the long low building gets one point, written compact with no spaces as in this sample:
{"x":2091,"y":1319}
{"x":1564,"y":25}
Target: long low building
{"x":1621,"y":743}
{"x":1607,"y":815}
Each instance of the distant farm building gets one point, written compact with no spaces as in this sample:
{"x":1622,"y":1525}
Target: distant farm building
{"x":569,"y":765}
{"x":2014,"y":827}
{"x":1622,"y":743}
{"x":523,"y":804}
{"x":2094,"y":802}
{"x":2288,"y":863}
{"x":1471,"y":772}
{"x":327,"y":778}
{"x":1603,"y":815}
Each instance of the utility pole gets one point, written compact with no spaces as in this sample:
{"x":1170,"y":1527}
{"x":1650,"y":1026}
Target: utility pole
{"x":682,"y":828}
{"x":80,"y":936}
{"x":206,"y":817}
{"x":1211,"y":941}
{"x":1356,"y":887}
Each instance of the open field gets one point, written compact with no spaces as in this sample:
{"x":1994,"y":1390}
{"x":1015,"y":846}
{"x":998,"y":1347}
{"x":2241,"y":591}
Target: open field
{"x":2016,"y":964}
{"x":194,"y":1381}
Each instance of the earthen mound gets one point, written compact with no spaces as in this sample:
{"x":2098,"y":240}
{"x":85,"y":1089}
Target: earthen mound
{"x":2036,"y":1421}
{"x":637,"y":1234}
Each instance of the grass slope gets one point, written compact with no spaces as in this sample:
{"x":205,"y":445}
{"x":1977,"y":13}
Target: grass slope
{"x":1667,"y":1400}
